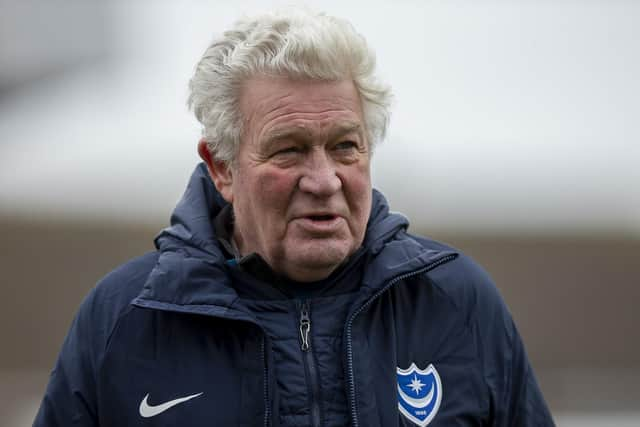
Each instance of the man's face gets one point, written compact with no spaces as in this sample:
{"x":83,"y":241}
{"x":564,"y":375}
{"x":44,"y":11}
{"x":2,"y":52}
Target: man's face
{"x":300,"y":186}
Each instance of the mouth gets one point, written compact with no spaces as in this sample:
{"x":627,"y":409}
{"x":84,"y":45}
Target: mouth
{"x":327,"y":217}
{"x":321,"y":223}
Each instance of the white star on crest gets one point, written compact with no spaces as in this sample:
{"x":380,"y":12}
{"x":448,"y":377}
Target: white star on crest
{"x":416,"y":385}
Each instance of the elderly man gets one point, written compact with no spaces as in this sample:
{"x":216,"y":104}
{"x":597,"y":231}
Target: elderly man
{"x":285,"y":293}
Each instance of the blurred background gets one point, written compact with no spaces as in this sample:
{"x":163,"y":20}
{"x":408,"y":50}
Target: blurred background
{"x":514,"y":137}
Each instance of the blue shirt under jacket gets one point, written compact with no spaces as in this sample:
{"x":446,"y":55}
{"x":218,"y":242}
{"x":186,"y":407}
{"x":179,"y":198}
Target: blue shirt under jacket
{"x":420,"y":337}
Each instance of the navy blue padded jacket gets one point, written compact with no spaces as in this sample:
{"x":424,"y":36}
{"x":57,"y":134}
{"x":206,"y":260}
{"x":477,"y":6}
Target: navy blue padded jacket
{"x":165,"y":340}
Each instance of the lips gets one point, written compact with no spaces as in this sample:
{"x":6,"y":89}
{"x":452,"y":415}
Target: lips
{"x":320,"y":222}
{"x":323,"y":217}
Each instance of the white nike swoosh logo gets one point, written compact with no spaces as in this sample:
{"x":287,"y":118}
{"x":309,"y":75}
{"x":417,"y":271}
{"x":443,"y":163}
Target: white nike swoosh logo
{"x":147,"y":410}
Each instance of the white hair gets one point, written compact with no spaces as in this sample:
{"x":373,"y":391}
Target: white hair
{"x":297,"y":44}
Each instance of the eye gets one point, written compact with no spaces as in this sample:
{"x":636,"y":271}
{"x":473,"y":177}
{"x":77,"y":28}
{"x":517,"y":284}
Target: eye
{"x":346,"y":145}
{"x":287,"y":150}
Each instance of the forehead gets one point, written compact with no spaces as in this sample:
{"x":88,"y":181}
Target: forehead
{"x":279,"y":104}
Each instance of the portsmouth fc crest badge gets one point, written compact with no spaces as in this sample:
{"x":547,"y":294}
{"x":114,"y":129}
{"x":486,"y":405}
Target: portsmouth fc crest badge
{"x":419,"y":393}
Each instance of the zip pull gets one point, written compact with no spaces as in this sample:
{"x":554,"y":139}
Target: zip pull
{"x":305,"y":326}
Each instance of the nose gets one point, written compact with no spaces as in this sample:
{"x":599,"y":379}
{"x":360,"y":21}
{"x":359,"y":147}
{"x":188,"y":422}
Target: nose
{"x":319,"y":177}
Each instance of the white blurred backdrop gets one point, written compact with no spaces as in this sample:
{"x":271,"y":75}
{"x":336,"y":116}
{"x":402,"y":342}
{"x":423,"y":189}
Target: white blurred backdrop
{"x":508,"y":115}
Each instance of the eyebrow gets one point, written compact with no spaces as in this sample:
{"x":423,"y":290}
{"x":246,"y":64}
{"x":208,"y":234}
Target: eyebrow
{"x":340,"y":130}
{"x":345,"y":129}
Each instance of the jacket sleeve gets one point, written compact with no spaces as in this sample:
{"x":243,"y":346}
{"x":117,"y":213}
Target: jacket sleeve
{"x":70,"y":397}
{"x":515,"y":398}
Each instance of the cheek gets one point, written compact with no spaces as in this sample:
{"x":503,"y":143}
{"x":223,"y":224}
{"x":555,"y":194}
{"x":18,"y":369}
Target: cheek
{"x":274,"y":189}
{"x":358,"y":188}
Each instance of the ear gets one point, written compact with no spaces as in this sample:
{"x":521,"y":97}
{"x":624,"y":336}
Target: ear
{"x":219,"y":171}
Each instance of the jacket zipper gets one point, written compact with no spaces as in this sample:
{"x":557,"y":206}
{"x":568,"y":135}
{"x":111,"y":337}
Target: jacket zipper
{"x":265,"y":387}
{"x":350,"y":374}
{"x":309,"y":363}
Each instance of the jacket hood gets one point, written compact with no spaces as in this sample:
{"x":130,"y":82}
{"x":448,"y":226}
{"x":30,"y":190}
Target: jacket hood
{"x":192,"y":218}
{"x":191,"y":267}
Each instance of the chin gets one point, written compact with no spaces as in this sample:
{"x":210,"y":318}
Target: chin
{"x":319,"y":258}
